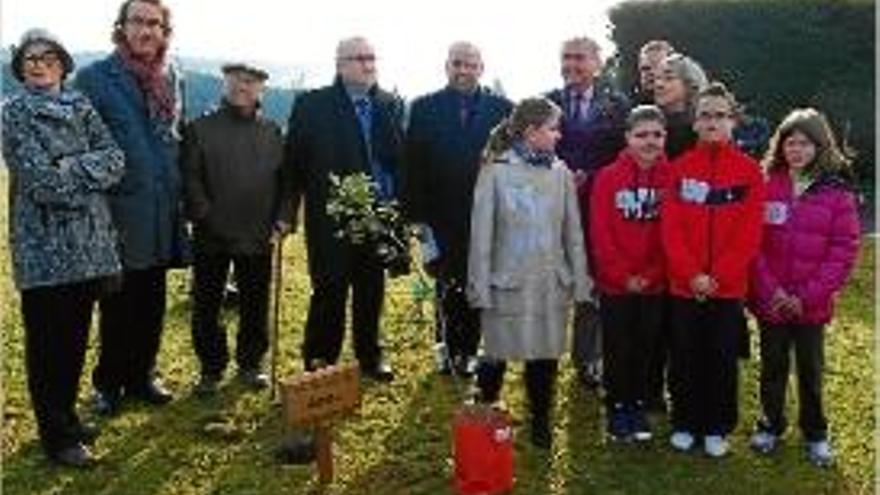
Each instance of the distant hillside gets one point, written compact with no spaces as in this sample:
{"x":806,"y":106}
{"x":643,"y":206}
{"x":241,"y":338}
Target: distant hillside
{"x":202,"y":88}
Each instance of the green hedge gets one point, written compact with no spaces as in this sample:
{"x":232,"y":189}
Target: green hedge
{"x":774,"y":54}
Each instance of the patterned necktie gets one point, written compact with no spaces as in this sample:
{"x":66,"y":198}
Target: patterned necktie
{"x":464,"y":112}
{"x":363,"y":111}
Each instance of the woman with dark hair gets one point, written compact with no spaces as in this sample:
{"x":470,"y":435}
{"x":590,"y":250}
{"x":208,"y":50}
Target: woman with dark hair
{"x":62,"y":161}
{"x":678,"y":80}
{"x":811,"y":240}
{"x":527,"y":259}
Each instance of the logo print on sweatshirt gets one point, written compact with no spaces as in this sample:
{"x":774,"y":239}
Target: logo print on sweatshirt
{"x":775,"y":212}
{"x":641,"y":203}
{"x":694,"y":191}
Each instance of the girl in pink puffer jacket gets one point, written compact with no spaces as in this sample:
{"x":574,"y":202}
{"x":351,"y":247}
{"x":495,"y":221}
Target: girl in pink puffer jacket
{"x":810,"y":243}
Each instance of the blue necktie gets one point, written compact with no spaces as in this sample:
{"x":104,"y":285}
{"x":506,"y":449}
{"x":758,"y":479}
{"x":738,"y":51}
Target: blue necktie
{"x":364,"y":110}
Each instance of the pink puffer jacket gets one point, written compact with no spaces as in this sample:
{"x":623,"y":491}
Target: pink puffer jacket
{"x":809,"y":247}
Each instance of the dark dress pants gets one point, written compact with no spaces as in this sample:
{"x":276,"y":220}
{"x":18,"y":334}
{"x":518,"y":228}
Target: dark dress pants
{"x":56,"y":323}
{"x":252,"y":273}
{"x":325,"y":325}
{"x":630,"y":324}
{"x":130,"y":331}
{"x":777,"y":341}
{"x":704,"y":365}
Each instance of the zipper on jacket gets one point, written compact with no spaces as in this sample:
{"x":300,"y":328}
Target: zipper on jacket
{"x":713,"y":168}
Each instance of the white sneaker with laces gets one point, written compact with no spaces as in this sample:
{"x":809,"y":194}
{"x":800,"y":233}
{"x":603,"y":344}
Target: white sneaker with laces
{"x":681,"y":441}
{"x":716,"y":446}
{"x":764,"y":442}
{"x":820,"y":453}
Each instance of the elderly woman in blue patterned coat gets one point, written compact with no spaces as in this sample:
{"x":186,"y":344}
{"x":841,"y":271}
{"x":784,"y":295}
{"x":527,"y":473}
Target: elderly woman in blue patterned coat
{"x":61,"y":160}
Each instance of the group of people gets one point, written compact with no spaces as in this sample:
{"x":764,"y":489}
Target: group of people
{"x":649,"y":218}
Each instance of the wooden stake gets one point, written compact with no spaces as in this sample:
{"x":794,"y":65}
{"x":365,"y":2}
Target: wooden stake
{"x":324,"y":453}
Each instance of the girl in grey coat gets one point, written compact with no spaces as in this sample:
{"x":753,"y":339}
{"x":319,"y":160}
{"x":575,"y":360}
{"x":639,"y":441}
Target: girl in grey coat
{"x":62,"y":160}
{"x":527,"y":258}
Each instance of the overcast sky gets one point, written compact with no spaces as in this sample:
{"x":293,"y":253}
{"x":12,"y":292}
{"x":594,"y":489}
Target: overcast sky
{"x":520,"y":43}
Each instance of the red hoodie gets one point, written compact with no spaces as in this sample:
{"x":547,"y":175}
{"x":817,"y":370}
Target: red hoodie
{"x":625,"y":225}
{"x":711,"y":219}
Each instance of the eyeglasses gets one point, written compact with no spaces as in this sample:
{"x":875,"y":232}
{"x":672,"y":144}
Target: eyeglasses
{"x":713,"y":115}
{"x":649,"y":134}
{"x":362,"y":58}
{"x":47,"y":58}
{"x":462,"y":64}
{"x":577,"y":57}
{"x":141,"y":22}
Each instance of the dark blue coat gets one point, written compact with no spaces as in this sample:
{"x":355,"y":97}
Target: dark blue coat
{"x":146,"y":205}
{"x":442,"y":162}
{"x":595,"y":142}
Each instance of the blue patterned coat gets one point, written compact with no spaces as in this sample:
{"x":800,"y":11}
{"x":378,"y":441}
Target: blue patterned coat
{"x":62,"y":161}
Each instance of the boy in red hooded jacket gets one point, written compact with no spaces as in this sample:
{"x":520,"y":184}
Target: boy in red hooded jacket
{"x":630,"y":267}
{"x":711,"y":227}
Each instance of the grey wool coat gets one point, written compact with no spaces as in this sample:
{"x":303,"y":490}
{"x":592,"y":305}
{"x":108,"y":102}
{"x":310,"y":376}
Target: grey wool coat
{"x":527,"y":259}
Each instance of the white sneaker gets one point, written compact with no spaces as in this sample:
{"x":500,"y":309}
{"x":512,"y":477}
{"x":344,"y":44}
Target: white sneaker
{"x":716,"y":446}
{"x":820,"y":453}
{"x":764,"y":442}
{"x":681,"y":441}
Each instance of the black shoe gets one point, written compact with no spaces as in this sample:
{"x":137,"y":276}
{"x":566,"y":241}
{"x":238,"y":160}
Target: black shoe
{"x":465,"y":366}
{"x":590,"y":377}
{"x":106,"y":403}
{"x":542,"y":436}
{"x":86,"y":433}
{"x":297,"y":449}
{"x":76,"y":456}
{"x":151,"y":393}
{"x":253,"y":378}
{"x":381,"y":372}
{"x":207,"y":385}
{"x":442,"y":359}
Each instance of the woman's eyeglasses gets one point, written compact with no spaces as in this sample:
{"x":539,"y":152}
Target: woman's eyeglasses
{"x":47,"y":58}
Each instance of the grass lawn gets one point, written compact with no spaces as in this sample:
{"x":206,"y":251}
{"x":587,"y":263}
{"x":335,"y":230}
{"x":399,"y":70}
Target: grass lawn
{"x":399,"y":443}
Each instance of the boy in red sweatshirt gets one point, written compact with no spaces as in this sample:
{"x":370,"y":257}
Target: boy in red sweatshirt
{"x":630,"y":268}
{"x":711,"y":229}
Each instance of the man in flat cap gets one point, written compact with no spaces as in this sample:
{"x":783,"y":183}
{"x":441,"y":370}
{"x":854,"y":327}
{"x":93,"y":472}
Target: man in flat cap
{"x":231,"y":165}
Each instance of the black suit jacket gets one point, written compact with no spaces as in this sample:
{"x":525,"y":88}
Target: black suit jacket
{"x":324,"y":137}
{"x":442,"y":161}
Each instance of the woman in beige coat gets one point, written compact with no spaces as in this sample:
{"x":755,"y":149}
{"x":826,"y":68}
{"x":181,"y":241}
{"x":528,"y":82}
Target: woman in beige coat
{"x":527,"y":258}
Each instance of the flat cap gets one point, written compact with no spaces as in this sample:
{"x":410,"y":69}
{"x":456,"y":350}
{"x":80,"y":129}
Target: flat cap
{"x":247,"y":68}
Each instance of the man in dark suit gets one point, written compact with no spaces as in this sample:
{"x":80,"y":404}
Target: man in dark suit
{"x":445,"y":138}
{"x":593,"y":125}
{"x":347,"y":127}
{"x":650,"y":55}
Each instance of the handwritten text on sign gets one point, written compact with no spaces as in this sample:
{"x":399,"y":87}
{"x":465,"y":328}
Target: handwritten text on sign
{"x":322,"y":395}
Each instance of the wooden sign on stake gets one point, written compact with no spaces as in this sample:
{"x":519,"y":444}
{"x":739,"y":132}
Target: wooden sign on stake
{"x":318,"y":398}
